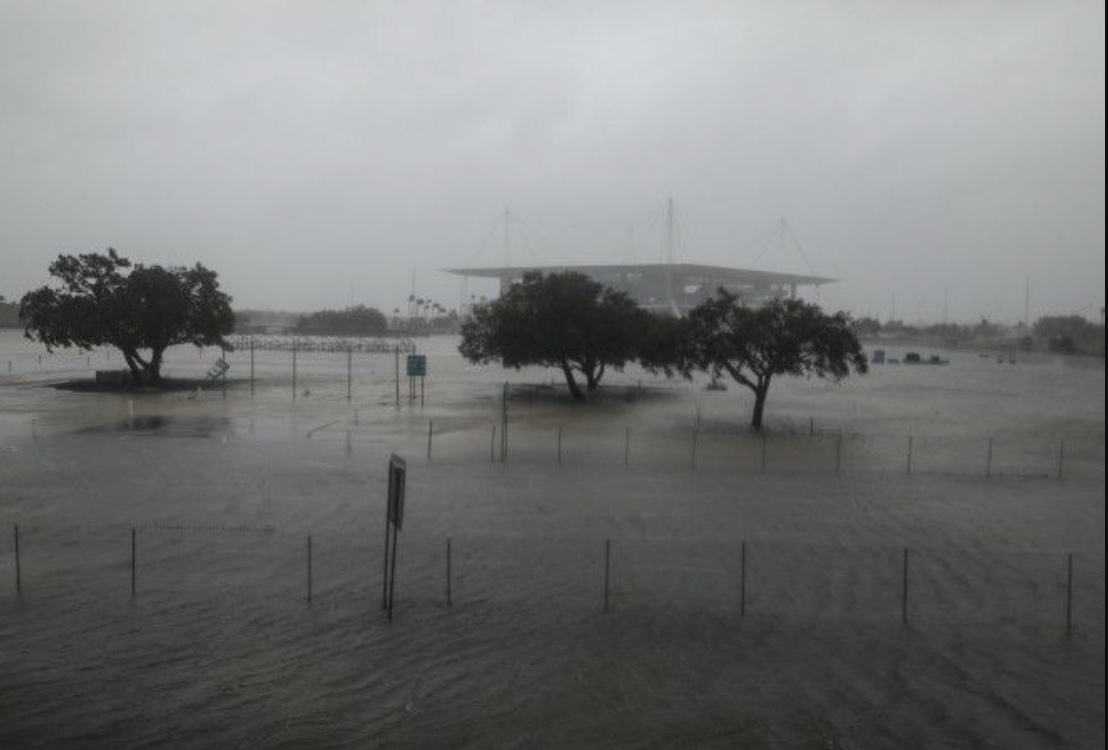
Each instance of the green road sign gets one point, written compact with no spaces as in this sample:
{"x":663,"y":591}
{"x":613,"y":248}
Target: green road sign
{"x":417,"y":365}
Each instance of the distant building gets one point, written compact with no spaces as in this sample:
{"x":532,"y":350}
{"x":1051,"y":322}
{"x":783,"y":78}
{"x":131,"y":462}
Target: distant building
{"x":667,"y":287}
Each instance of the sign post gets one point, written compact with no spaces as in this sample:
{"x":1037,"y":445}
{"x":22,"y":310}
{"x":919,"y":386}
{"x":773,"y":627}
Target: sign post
{"x":417,"y":368}
{"x":394,"y":519}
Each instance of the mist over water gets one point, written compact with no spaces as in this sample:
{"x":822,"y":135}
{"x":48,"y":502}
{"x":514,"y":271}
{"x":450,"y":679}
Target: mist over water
{"x":755,"y":588}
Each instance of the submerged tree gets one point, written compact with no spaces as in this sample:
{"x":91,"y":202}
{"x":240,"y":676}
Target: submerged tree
{"x":564,"y":320}
{"x":103,"y":300}
{"x":756,"y":344}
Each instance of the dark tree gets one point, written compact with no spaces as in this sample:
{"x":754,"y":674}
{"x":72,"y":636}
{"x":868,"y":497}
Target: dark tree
{"x":354,"y":321}
{"x":104,"y":300}
{"x":756,"y":344}
{"x":564,"y":320}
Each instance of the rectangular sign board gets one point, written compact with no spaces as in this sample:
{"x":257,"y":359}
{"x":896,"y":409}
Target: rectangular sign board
{"x":417,"y":365}
{"x":398,"y":475}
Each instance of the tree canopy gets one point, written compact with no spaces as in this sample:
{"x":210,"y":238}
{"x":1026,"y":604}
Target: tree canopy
{"x":355,"y":321}
{"x":104,"y":300}
{"x":564,"y":320}
{"x":756,"y":344}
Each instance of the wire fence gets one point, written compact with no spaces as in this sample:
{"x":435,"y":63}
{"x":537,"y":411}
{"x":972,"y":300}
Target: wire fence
{"x":643,"y":445}
{"x":1049,"y":590}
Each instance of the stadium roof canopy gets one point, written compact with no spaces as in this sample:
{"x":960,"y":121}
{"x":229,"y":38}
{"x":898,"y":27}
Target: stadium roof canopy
{"x":675,"y":287}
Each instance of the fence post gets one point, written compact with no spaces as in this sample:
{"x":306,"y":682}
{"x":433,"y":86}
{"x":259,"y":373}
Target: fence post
{"x":1069,"y":595}
{"x":742,"y":581}
{"x":504,"y":425}
{"x":18,"y":578}
{"x":607,"y":570}
{"x":904,"y":591}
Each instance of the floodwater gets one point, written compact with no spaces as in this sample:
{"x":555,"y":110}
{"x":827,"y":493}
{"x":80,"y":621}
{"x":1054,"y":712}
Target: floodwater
{"x":910,"y":559}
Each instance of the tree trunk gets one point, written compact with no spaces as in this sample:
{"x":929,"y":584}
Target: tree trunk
{"x":592,"y":382}
{"x":143,"y":372}
{"x":133,"y":364}
{"x":571,"y":382}
{"x":154,"y":367}
{"x":760,"y":394}
{"x":593,"y":376}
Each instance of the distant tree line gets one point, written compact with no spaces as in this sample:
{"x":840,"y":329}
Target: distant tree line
{"x":9,"y":313}
{"x":1063,"y":334}
{"x":1070,"y":334}
{"x":354,"y":321}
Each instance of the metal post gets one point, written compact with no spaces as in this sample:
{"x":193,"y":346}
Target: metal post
{"x":309,"y":567}
{"x":839,"y":454}
{"x":349,"y":373}
{"x":251,"y":367}
{"x":430,"y":432}
{"x":492,"y":445}
{"x":607,"y":570}
{"x":294,"y":369}
{"x":695,"y":439}
{"x":398,"y":376}
{"x":385,"y":576}
{"x":904,"y":591}
{"x":504,"y":425}
{"x":909,"y":454}
{"x":1061,"y":457}
{"x":449,"y":600}
{"x":989,"y":460}
{"x":559,"y":445}
{"x":18,"y":577}
{"x":763,"y":451}
{"x":1069,"y":595}
{"x":134,"y":562}
{"x":742,"y":581}
{"x":627,"y":447}
{"x":392,"y":576}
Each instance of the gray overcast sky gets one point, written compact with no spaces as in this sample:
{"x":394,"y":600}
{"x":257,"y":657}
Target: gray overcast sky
{"x":932,"y":155}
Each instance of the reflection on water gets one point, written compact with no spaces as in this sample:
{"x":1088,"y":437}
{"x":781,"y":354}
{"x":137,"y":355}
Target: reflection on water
{"x":167,"y":426}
